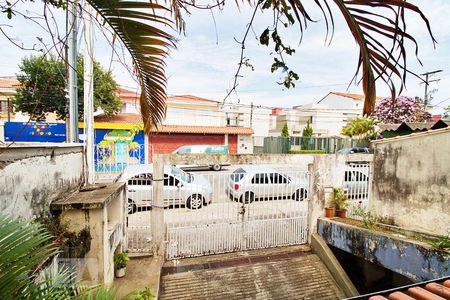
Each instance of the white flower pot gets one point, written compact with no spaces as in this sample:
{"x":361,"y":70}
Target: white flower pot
{"x":120,"y":272}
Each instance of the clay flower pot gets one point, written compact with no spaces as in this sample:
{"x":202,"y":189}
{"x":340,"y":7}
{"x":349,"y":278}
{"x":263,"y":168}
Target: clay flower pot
{"x":341,"y":213}
{"x":329,"y":212}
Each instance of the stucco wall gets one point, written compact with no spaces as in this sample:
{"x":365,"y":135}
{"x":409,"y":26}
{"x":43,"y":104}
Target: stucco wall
{"x":411,"y":182}
{"x":33,"y":175}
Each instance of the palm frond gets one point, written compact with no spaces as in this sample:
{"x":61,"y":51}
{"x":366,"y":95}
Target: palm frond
{"x":23,"y":248}
{"x":138,"y":25}
{"x":370,"y":22}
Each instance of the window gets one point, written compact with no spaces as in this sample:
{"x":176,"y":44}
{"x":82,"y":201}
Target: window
{"x":360,"y":176}
{"x":141,"y":179}
{"x":348,"y":176}
{"x":237,"y":175}
{"x":260,"y":179}
{"x":170,"y":181}
{"x":3,"y":106}
{"x":277,"y":178}
{"x":182,"y":150}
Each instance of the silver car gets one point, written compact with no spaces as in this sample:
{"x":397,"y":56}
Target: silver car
{"x":181,"y":189}
{"x":249,"y":183}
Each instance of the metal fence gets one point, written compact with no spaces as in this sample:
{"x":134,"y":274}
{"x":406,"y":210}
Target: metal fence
{"x":357,"y":185}
{"x":326,"y":144}
{"x":208,"y":213}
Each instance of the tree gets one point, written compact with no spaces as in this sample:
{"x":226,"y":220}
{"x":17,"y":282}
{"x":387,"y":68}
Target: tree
{"x":401,"y":109}
{"x":285,"y":131}
{"x":307,"y":133}
{"x":143,"y":29}
{"x":42,"y":84}
{"x":360,"y":128}
{"x":447,"y":112}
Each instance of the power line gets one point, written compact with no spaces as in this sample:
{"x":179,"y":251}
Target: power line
{"x":427,"y":82}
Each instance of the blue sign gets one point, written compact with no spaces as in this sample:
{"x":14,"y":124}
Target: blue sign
{"x":35,"y":132}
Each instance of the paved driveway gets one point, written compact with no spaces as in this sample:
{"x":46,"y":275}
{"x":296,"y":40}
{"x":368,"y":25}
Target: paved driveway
{"x":279,"y":273}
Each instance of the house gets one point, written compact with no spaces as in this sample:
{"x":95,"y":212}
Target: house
{"x":327,"y":116}
{"x":7,"y":91}
{"x":228,"y":124}
{"x":167,"y":138}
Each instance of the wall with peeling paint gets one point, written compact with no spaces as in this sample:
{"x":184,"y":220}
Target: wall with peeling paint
{"x":411,"y":181}
{"x":32,"y":175}
{"x":415,"y":260}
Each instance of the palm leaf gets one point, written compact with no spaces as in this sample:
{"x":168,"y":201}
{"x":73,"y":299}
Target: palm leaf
{"x":368,"y":21}
{"x":23,"y":248}
{"x":138,"y":25}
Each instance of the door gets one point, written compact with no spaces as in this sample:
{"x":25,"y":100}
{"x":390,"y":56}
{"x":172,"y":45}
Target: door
{"x":260,"y":185}
{"x":140,"y":190}
{"x":280,"y":186}
{"x":172,"y":192}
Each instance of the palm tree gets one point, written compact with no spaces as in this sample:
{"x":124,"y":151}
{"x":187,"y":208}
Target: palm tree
{"x":135,"y":23}
{"x":25,"y":251}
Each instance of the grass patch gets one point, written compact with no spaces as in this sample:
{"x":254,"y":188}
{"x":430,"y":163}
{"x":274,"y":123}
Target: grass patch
{"x":307,"y":152}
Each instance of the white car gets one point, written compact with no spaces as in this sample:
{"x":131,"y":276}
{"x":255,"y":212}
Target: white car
{"x":356,"y":183}
{"x":180,"y":188}
{"x":249,"y":183}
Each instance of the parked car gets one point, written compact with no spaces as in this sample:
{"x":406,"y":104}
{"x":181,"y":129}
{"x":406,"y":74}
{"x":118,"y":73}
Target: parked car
{"x":356,"y":183}
{"x":180,"y":188}
{"x":203,"y":149}
{"x":353,"y":150}
{"x":249,"y":183}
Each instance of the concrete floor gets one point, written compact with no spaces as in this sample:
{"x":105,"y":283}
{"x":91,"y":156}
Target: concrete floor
{"x":141,"y":272}
{"x":278,"y":273}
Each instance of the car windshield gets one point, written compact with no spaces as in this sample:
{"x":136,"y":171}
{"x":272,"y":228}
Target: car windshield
{"x":180,"y":174}
{"x":237,"y":175}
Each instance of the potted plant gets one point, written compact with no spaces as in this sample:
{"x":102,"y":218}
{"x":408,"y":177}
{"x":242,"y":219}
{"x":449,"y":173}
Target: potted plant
{"x":329,"y":210}
{"x":120,"y":263}
{"x":339,"y":198}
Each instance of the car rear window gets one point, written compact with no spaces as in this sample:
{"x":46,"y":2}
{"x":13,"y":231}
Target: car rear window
{"x":237,"y":175}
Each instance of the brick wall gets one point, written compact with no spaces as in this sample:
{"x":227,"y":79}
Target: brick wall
{"x":167,"y":143}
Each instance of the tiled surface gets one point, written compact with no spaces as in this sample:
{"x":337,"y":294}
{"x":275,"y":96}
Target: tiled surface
{"x":289,"y":273}
{"x":439,"y":290}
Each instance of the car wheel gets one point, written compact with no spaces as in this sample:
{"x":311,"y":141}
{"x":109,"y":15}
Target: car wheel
{"x":216,"y":167}
{"x":132,"y":208}
{"x":248,"y":197}
{"x":195,"y":201}
{"x":300,"y":195}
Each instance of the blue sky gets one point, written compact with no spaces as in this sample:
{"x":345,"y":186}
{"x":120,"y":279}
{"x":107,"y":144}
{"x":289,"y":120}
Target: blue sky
{"x":206,"y":58}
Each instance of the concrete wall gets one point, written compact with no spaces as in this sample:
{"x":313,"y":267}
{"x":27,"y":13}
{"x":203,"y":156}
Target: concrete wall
{"x":328,"y":171}
{"x":411,"y":182}
{"x":415,"y":260}
{"x":33,"y":175}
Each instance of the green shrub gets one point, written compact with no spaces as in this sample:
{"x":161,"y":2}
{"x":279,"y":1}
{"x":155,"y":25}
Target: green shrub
{"x":143,"y":294}
{"x":307,"y":152}
{"x":120,"y":260}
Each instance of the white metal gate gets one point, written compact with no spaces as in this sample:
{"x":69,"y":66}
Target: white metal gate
{"x":255,"y":207}
{"x":357,"y":185}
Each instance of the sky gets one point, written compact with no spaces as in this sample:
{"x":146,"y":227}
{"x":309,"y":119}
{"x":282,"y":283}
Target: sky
{"x":206,"y":58}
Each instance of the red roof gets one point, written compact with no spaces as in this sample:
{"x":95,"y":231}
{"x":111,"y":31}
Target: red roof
{"x":190,"y":98}
{"x":137,"y":119}
{"x":127,"y":95}
{"x":434,"y":289}
{"x":9,"y":83}
{"x":358,"y":97}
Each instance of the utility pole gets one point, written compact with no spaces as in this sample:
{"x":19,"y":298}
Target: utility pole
{"x":251,"y":115}
{"x":8,"y":109}
{"x":73,"y":89}
{"x":88,"y":94}
{"x":427,"y":82}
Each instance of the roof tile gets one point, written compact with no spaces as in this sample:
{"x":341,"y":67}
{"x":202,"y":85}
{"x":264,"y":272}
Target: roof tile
{"x":136,"y":119}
